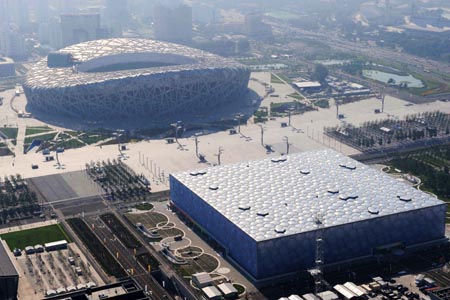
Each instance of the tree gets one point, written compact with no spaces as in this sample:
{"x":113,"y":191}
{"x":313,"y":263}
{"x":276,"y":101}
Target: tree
{"x":391,"y":81}
{"x":320,"y":73}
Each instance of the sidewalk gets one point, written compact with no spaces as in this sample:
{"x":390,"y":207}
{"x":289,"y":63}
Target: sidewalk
{"x":28,"y":226}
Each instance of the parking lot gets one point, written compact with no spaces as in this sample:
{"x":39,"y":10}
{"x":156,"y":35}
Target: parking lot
{"x":46,"y":271}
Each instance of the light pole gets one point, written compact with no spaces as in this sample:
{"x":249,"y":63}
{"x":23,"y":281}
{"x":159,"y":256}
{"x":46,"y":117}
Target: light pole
{"x":219,"y":154}
{"x":262,"y":134}
{"x":196,"y":142}
{"x":239,"y":117}
{"x":118,"y":133}
{"x":286,"y":139}
{"x":337,"y":108}
{"x":177,"y":126}
{"x":289,"y":111}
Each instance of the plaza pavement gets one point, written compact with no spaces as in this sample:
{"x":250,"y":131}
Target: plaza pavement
{"x":156,"y":159}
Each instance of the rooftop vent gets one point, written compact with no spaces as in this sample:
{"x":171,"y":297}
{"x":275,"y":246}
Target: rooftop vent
{"x":213,"y":187}
{"x":244,"y":207}
{"x":405,"y":198}
{"x":278,"y":159}
{"x":346,"y":197}
{"x":305,"y":172}
{"x":373,"y":210}
{"x":333,"y":191}
{"x":262,"y":213}
{"x":348,"y":166}
{"x":280,"y":229}
{"x":196,"y":173}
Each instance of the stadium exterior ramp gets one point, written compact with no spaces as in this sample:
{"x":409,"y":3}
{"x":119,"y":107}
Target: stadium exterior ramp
{"x":132,"y":78}
{"x":263,"y":212}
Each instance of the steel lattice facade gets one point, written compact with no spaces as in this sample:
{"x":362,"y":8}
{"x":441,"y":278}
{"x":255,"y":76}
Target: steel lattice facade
{"x":183,"y":81}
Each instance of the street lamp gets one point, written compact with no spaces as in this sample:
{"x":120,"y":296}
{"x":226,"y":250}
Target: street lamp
{"x":239,"y":117}
{"x":262,"y":134}
{"x":286,"y":139}
{"x":219,"y":154}
{"x":177,"y":126}
{"x":289,"y":111}
{"x":118,"y":133}
{"x":196,"y":142}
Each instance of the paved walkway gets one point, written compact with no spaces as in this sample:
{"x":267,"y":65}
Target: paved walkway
{"x":233,"y":275}
{"x":28,"y":226}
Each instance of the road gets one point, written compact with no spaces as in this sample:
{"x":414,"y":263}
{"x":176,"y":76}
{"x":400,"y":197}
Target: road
{"x":436,"y":70}
{"x":165,"y":266}
{"x":126,"y":258}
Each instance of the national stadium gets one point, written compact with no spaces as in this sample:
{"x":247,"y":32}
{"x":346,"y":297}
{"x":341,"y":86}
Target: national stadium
{"x":131,"y":78}
{"x":267,"y":215}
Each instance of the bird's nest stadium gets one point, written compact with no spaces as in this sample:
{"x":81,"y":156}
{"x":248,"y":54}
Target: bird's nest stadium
{"x":131,"y":78}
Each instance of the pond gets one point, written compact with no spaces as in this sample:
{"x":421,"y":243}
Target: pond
{"x":384,"y":77}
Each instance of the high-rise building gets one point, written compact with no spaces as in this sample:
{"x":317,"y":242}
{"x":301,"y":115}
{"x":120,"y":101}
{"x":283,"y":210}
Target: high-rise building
{"x":43,"y":11}
{"x":14,"y":11}
{"x":50,"y":33}
{"x":116,"y":16}
{"x":7,"y":67}
{"x":78,"y":28}
{"x":4,"y":14}
{"x":67,"y":6}
{"x":255,"y":27}
{"x":12,"y":44}
{"x":173,"y":24}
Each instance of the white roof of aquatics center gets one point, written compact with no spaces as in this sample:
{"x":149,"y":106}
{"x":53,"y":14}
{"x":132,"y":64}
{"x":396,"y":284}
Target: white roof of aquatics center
{"x":92,"y":54}
{"x":281,"y":196}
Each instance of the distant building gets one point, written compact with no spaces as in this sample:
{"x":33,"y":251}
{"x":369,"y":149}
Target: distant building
{"x":78,"y":28}
{"x":50,"y":33}
{"x":127,"y":289}
{"x":116,"y":16}
{"x":9,"y":278}
{"x":173,"y":24}
{"x":12,"y":44}
{"x":256,"y":28}
{"x":307,"y":86}
{"x":14,"y":12}
{"x":7,"y":67}
{"x":43,"y":11}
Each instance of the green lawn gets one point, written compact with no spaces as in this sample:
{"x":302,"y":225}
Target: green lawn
{"x":70,"y":144}
{"x":144,"y":206}
{"x":92,"y":138}
{"x":10,"y":132}
{"x":275,"y":79}
{"x":72,"y":133}
{"x":323,"y":103}
{"x":31,"y":237}
{"x":38,"y":129}
{"x":285,"y":78}
{"x":296,"y":96}
{"x":43,"y":137}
